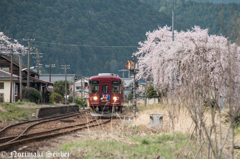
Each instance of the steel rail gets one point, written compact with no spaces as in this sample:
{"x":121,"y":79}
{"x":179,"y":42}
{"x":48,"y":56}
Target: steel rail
{"x":54,"y":119}
{"x":29,"y":121}
{"x":41,"y":132}
{"x":35,"y":120}
{"x":51,"y":135}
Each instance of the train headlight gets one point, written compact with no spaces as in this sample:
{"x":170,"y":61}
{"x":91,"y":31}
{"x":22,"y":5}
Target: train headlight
{"x":115,"y":98}
{"x":95,"y":98}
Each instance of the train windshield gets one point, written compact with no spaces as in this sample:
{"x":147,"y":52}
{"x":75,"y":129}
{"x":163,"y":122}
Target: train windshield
{"x":104,"y":88}
{"x":93,"y":86}
{"x":116,"y":86}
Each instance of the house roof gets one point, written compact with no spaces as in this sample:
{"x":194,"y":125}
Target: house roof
{"x":4,"y":75}
{"x":16,"y":62}
{"x":84,"y":80}
{"x":42,"y":81}
{"x":128,"y":82}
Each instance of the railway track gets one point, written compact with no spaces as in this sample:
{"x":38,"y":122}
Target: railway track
{"x":42,"y":120}
{"x":13,"y":140}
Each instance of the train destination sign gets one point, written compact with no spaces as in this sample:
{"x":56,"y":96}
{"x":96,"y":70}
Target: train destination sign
{"x":93,"y":82}
{"x":116,"y":82}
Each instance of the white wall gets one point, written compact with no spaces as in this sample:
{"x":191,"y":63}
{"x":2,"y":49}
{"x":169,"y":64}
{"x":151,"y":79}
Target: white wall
{"x":6,"y":91}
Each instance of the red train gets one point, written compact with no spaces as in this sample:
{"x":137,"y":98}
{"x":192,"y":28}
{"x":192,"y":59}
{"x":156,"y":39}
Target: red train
{"x":106,"y":94}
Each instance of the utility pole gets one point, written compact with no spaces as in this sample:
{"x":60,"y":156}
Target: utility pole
{"x":11,"y":74}
{"x":28,"y":69}
{"x":81,"y":88}
{"x":20,"y":73}
{"x":49,"y":71}
{"x":37,"y":62}
{"x":84,"y":88}
{"x":131,"y":66}
{"x":134,"y":88}
{"x":173,"y":21}
{"x":28,"y":72}
{"x":65,"y":84}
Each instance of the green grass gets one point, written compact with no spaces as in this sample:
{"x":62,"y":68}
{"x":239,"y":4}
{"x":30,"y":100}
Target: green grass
{"x":149,"y":146}
{"x":16,"y":113}
{"x":23,"y":103}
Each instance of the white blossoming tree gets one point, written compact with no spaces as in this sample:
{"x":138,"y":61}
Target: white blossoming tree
{"x":168,"y":62}
{"x":6,"y":43}
{"x":199,"y":67}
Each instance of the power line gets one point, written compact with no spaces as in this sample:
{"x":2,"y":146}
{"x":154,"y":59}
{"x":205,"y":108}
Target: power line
{"x":114,"y":46}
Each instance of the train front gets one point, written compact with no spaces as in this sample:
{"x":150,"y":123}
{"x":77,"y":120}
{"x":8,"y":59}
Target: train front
{"x":105,"y":95}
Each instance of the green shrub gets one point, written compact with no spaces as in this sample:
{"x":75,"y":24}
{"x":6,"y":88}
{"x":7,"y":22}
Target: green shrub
{"x":130,"y":96}
{"x":151,"y":93}
{"x":57,"y":97}
{"x":32,"y":95}
{"x":59,"y":87}
{"x":70,"y":99}
{"x":79,"y":102}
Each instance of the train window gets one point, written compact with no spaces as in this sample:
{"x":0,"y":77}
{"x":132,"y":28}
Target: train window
{"x":93,"y":86}
{"x":104,"y":88}
{"x":116,"y":86}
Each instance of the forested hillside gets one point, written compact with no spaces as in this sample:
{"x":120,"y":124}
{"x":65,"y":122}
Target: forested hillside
{"x":196,"y":13}
{"x":91,"y":36}
{"x":219,"y":1}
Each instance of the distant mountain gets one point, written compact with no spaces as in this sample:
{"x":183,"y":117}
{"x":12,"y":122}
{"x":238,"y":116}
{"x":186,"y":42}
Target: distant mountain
{"x":193,"y":13}
{"x":204,"y":1}
{"x":89,"y":35}
{"x":219,"y":1}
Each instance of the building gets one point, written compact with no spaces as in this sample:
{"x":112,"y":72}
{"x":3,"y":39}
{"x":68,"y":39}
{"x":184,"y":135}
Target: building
{"x":57,"y":77}
{"x":5,"y":82}
{"x":34,"y":82}
{"x":81,"y":88}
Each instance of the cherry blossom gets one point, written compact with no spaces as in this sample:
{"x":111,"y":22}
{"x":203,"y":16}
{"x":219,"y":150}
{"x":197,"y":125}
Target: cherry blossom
{"x":194,"y":56}
{"x":6,"y":43}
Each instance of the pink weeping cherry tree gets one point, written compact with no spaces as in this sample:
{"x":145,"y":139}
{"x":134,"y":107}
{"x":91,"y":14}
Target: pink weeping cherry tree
{"x":199,"y":67}
{"x":174,"y":64}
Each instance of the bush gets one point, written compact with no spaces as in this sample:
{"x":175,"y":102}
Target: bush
{"x":151,"y":93}
{"x":32,"y":95}
{"x":59,"y":87}
{"x":79,"y":102}
{"x":57,"y":97}
{"x":70,"y":99}
{"x":130,"y":96}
